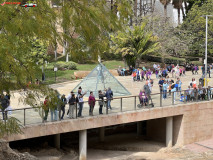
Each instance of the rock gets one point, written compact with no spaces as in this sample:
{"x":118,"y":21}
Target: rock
{"x":6,"y":153}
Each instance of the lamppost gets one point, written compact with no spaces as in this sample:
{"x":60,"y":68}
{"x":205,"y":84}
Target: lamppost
{"x":206,"y":49}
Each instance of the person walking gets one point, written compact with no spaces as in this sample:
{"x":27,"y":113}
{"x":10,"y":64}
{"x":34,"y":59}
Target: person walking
{"x":64,"y":102}
{"x":91,"y":102}
{"x":109,"y":96}
{"x":80,"y":101}
{"x":72,"y":105}
{"x":101,"y":101}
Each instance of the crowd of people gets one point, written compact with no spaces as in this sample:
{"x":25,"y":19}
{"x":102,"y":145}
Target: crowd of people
{"x":167,"y":87}
{"x":76,"y":102}
{"x":145,"y":74}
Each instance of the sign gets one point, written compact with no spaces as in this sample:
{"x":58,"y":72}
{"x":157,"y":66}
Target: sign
{"x":55,"y":69}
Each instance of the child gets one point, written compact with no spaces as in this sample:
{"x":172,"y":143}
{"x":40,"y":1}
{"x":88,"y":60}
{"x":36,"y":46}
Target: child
{"x":188,"y":93}
{"x":182,"y":98}
{"x":134,"y":76}
{"x":91,"y":102}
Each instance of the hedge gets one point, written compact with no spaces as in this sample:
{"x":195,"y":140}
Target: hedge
{"x":174,"y":60}
{"x":66,"y":65}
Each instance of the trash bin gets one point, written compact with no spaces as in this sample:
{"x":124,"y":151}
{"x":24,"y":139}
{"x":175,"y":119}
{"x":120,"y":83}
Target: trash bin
{"x":201,"y":82}
{"x":207,"y":81}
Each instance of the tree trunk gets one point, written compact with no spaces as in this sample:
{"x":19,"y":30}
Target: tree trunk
{"x":141,"y":9}
{"x":185,"y":5}
{"x":182,"y":11}
{"x":165,"y":12}
{"x":178,"y":16}
{"x":67,"y":54}
{"x":64,"y":48}
{"x":67,"y":57}
{"x":135,"y":10}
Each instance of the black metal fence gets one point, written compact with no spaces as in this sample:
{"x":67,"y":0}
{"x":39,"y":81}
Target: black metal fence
{"x":36,"y":115}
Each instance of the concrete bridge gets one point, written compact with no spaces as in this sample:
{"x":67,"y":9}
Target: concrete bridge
{"x":175,"y":124}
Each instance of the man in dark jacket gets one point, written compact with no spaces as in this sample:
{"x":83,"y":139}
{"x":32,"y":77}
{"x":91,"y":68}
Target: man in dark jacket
{"x":101,"y":101}
{"x":64,"y":102}
{"x":4,"y":103}
{"x":72,"y":105}
{"x":109,"y":96}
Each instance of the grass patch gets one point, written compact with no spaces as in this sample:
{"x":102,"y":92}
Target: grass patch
{"x":67,"y":75}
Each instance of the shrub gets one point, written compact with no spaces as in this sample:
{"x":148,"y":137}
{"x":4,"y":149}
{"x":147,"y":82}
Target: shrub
{"x":197,"y":63}
{"x":66,"y":65}
{"x":174,"y":60}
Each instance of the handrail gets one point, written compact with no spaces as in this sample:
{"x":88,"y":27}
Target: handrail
{"x":149,"y":99}
{"x":105,"y":99}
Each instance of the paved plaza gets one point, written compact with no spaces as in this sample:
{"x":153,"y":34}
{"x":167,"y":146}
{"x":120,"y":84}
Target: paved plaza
{"x":32,"y":116}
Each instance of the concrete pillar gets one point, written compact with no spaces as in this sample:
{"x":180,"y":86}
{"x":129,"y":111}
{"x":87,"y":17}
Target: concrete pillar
{"x":102,"y":134}
{"x":83,"y":145}
{"x":169,"y":131}
{"x":57,"y":140}
{"x":139,"y":128}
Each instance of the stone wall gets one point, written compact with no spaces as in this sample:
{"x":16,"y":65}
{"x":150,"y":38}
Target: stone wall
{"x":191,"y":122}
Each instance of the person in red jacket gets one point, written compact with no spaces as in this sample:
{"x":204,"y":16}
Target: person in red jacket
{"x":91,"y":102}
{"x":46,"y":108}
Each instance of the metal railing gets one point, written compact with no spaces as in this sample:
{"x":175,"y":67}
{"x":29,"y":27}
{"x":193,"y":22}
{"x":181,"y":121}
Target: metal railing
{"x":29,"y":116}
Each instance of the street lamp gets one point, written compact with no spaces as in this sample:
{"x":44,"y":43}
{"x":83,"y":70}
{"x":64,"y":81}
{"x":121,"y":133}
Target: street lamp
{"x":206,"y":48}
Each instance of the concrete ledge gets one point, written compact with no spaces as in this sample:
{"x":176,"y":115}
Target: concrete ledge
{"x":192,"y":116}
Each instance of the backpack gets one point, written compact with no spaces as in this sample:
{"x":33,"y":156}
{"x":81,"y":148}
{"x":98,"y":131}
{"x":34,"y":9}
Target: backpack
{"x":173,"y":86}
{"x":77,"y":99}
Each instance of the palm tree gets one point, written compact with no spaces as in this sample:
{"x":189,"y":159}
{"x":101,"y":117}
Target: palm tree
{"x":134,"y":44}
{"x":178,"y":4}
{"x":165,"y":3}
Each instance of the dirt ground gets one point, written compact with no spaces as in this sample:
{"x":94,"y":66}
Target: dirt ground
{"x":175,"y":153}
{"x":129,"y":147}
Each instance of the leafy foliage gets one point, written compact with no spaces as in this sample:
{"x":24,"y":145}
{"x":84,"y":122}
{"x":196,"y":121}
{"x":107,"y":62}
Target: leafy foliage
{"x":134,"y":43}
{"x":195,"y":25}
{"x":25,"y":34}
{"x":86,"y":25}
{"x":39,"y":52}
{"x":12,"y":126}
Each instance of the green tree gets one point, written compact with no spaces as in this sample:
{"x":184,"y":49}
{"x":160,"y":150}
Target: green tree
{"x":195,"y":25}
{"x":86,"y":25}
{"x":135,"y":43}
{"x":18,"y":28}
{"x":25,"y":32}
